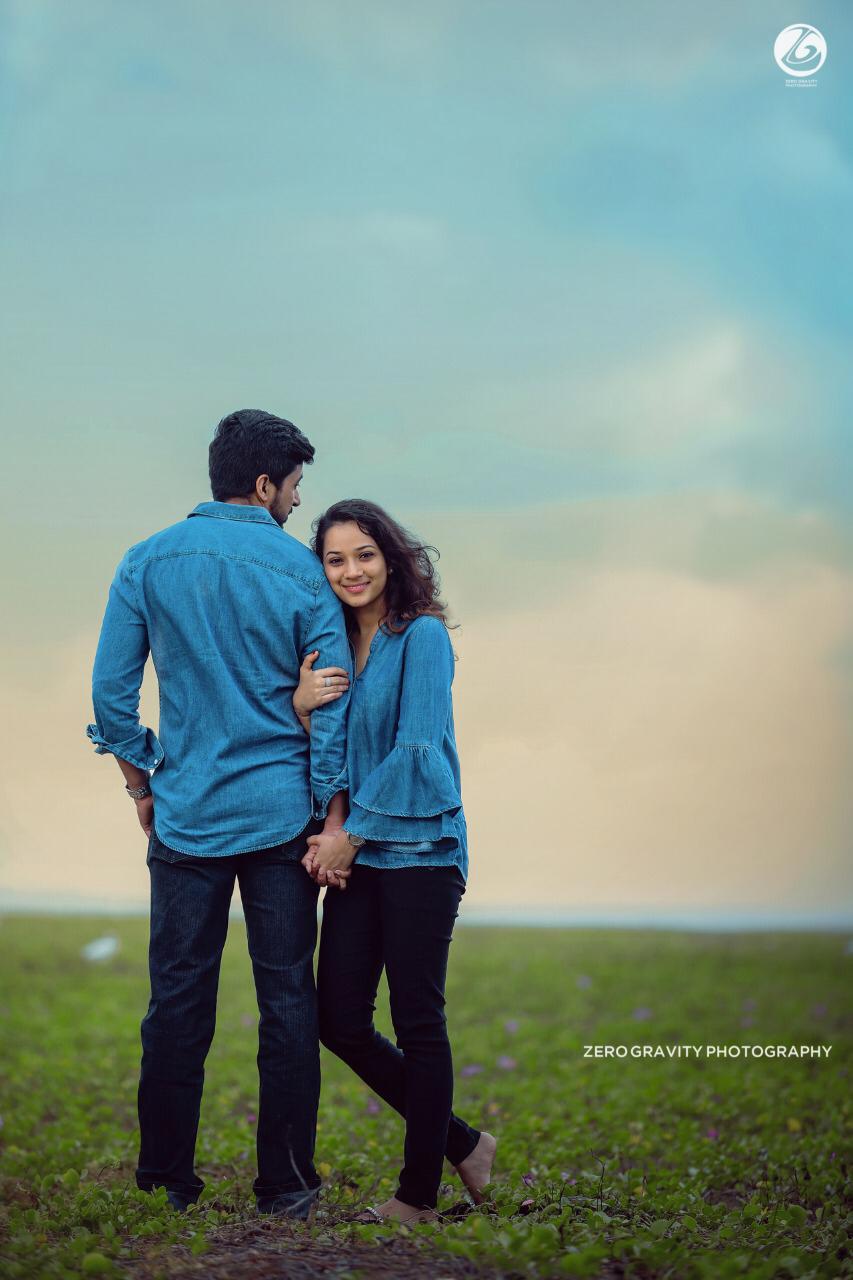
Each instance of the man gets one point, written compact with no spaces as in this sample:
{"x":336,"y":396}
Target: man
{"x":228,"y":606}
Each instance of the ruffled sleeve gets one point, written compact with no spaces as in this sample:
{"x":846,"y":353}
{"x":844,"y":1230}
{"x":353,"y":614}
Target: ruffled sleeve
{"x":409,"y":798}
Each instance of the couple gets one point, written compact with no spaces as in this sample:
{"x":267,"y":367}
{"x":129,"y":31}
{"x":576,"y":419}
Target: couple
{"x":304,"y":745}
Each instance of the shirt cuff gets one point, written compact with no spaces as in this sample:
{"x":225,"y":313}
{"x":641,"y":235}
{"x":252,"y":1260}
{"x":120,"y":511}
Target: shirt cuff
{"x":442,"y":830}
{"x":321,"y":795}
{"x":142,"y":748}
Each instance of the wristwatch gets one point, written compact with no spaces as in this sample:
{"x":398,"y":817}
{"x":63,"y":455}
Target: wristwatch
{"x":138,"y":793}
{"x":355,"y":841}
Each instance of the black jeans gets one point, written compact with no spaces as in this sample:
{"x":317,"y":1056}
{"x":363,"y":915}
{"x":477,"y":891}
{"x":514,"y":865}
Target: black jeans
{"x":402,"y":919}
{"x":190,"y":897}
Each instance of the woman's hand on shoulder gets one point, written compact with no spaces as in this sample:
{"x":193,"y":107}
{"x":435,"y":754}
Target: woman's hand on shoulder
{"x":316,"y":688}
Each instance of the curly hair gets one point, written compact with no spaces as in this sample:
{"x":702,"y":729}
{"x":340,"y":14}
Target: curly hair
{"x":413,"y":584}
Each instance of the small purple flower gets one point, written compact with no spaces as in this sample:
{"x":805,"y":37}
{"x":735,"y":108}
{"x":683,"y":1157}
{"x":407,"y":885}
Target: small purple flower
{"x":583,"y":982}
{"x":251,"y":1118}
{"x":819,"y":1010}
{"x":506,"y":1063}
{"x":566,"y":1177}
{"x":511,"y":1025}
{"x":747,"y":1021}
{"x":712,"y":1134}
{"x":472,"y":1069}
{"x":372,"y":1107}
{"x":641,"y":1014}
{"x":246,"y":1020}
{"x":749,"y":1004}
{"x":529,"y":1179}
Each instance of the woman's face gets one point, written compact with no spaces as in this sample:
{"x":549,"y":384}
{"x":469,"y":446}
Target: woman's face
{"x":354,"y":565}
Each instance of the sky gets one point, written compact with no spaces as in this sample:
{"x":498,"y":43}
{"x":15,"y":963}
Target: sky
{"x":566,"y":288}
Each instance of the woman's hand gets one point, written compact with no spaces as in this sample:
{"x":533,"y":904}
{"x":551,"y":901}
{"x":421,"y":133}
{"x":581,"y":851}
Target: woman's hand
{"x":334,"y":879}
{"x":316,"y":688}
{"x":329,"y":859}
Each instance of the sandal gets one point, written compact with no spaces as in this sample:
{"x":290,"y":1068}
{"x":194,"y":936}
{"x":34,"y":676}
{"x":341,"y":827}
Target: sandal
{"x":371,"y":1215}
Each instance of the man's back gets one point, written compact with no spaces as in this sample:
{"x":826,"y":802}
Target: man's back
{"x":228,"y":604}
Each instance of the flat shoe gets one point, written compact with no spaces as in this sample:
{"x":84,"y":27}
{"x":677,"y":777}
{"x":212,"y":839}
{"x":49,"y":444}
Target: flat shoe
{"x":373,"y":1216}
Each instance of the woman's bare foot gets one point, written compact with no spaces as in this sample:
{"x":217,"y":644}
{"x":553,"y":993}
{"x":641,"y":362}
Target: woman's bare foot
{"x":395,"y":1210}
{"x":476,"y":1169}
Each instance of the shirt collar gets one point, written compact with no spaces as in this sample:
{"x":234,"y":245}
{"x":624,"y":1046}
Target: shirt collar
{"x":234,"y":511}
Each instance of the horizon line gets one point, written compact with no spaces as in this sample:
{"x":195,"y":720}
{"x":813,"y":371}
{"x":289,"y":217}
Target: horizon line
{"x":690,"y":917}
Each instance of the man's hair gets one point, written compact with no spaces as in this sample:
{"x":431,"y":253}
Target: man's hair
{"x":250,"y":443}
{"x":413,"y":585}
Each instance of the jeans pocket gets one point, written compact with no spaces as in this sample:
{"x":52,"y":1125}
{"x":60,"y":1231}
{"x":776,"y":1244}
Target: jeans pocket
{"x":156,"y":849}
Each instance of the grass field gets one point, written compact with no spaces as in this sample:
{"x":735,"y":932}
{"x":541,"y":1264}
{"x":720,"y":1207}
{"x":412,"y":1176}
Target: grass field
{"x":606,"y":1167}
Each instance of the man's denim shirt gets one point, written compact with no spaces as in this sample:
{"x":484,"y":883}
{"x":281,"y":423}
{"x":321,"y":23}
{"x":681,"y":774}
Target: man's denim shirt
{"x":228,"y":605}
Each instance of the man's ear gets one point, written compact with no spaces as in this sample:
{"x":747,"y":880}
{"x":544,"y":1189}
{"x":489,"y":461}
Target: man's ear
{"x":262,"y":488}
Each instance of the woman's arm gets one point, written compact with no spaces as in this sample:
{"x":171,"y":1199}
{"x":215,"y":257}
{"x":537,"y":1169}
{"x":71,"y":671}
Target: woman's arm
{"x":413,"y":793}
{"x":316,"y":688}
{"x":425,"y":699}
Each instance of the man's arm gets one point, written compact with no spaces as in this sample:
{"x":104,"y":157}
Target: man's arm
{"x":327,"y":633}
{"x":116,"y":680}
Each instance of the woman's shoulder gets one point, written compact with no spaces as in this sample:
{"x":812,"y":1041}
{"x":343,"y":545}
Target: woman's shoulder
{"x":426,"y":630}
{"x":426,"y":642}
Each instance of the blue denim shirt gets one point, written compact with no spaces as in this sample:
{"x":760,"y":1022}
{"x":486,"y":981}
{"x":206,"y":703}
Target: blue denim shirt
{"x":228,"y":605}
{"x":405,"y":791}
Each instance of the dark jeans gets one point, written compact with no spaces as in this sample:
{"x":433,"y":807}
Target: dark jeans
{"x":402,"y":919}
{"x":190,"y":897}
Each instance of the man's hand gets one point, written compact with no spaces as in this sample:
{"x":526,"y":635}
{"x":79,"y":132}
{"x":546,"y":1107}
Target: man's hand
{"x":333,"y":880}
{"x":145,"y":813}
{"x":329,"y":858}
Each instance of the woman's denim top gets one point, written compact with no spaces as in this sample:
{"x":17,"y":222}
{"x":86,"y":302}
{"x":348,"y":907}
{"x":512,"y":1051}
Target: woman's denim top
{"x":401,"y":752}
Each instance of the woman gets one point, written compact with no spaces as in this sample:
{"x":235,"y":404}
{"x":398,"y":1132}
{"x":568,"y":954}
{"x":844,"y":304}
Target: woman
{"x":402,"y":855}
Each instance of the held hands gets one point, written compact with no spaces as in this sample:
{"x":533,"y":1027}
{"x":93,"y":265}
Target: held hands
{"x":329,"y":858}
{"x":316,"y":688}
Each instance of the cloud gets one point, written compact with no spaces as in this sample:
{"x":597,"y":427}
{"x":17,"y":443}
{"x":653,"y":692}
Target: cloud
{"x":657,"y":46}
{"x":660,"y":741}
{"x":380,"y":232}
{"x":524,"y":559}
{"x":652,"y":702}
{"x":377,"y":34}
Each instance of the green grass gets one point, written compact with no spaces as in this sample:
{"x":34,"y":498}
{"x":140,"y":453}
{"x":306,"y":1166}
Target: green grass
{"x":615,"y":1168}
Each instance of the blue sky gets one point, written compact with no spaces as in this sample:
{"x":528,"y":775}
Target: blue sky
{"x":423,"y":227}
{"x":568,"y":281}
